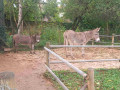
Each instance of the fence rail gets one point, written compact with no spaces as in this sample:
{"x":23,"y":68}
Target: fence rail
{"x":58,"y":80}
{"x":90,"y":46}
{"x":78,"y":61}
{"x":89,"y":77}
{"x":106,"y":42}
{"x":85,"y":76}
{"x":109,"y":35}
{"x":105,"y":36}
{"x":67,"y":63}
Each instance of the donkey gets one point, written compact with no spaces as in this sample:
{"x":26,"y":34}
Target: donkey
{"x":26,"y":40}
{"x":80,"y":38}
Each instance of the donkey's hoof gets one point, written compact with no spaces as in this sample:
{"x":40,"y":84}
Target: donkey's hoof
{"x":30,"y":52}
{"x":83,"y":55}
{"x":68,"y":55}
{"x":73,"y":57}
{"x":34,"y":53}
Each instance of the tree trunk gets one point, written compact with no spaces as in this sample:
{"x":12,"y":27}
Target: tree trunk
{"x":20,"y":25}
{"x":2,"y":26}
{"x":76,"y":22}
{"x":2,"y":22}
{"x":107,"y":28}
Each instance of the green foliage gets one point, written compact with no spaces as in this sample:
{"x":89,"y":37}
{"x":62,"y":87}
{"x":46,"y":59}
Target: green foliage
{"x":107,"y":79}
{"x":2,"y":33}
{"x":32,"y":10}
{"x":71,"y":79}
{"x":9,"y":41}
{"x":50,"y":8}
{"x":10,"y":9}
{"x":2,"y":25}
{"x":93,"y":13}
{"x":104,"y":79}
{"x":52,"y":34}
{"x":67,"y":25}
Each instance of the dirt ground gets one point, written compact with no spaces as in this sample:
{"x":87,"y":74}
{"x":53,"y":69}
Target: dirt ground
{"x":29,"y":68}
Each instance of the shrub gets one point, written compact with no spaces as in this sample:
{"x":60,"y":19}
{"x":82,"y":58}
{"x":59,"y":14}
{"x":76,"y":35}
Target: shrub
{"x":9,"y":41}
{"x":52,"y":34}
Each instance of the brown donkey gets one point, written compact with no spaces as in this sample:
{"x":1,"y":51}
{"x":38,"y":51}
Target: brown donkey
{"x":25,"y":40}
{"x":80,"y":38}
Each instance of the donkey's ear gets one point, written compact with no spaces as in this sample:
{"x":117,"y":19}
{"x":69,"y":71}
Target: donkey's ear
{"x":40,"y":33}
{"x":98,"y":29}
{"x":34,"y":35}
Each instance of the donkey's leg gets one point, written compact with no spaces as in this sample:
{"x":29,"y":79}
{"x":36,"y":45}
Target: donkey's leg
{"x":30,"y":46}
{"x":71,"y":52}
{"x":33,"y":48}
{"x":71,"y":49}
{"x":66,"y":49}
{"x":65,"y":44}
{"x":83,"y":51}
{"x":16,"y":47}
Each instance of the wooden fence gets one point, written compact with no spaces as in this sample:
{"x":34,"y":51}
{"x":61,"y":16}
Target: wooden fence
{"x":89,"y":77}
{"x":107,"y":36}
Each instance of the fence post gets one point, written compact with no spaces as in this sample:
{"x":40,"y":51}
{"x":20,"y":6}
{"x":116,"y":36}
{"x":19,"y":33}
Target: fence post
{"x":91,"y":79}
{"x":92,"y":42}
{"x":113,"y":37}
{"x":47,"y":54}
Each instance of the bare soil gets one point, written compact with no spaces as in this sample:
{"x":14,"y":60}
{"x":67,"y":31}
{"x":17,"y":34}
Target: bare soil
{"x":29,"y":68}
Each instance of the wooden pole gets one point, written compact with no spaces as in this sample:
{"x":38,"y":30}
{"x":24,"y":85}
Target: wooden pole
{"x":113,"y":37}
{"x":57,"y":79}
{"x":67,"y":63}
{"x":90,"y":46}
{"x":92,"y":42}
{"x":47,"y":54}
{"x":91,"y":79}
{"x":79,"y":61}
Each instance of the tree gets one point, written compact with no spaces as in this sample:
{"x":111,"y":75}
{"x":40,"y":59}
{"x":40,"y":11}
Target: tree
{"x":2,"y":25}
{"x":75,"y":10}
{"x":20,"y":21}
{"x":30,"y":11}
{"x":107,"y":10}
{"x":50,"y":8}
{"x":92,"y":13}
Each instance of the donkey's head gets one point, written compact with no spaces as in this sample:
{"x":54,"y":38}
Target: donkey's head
{"x":36,"y":38}
{"x":96,"y":34}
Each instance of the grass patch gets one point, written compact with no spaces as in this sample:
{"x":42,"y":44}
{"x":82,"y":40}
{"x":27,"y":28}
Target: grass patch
{"x":104,"y":79}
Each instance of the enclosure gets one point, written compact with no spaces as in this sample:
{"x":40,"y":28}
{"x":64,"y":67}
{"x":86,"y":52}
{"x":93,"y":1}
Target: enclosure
{"x":50,"y":19}
{"x":89,"y":77}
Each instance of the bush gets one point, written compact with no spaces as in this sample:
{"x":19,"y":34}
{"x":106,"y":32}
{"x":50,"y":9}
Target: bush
{"x":52,"y":34}
{"x":9,"y":41}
